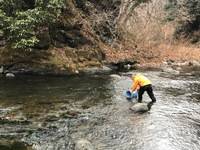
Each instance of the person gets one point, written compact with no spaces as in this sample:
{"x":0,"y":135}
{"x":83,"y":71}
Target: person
{"x":142,"y":84}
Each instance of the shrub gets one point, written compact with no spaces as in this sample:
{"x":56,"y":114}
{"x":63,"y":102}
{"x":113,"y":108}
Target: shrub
{"x":20,"y":20}
{"x":171,"y":9}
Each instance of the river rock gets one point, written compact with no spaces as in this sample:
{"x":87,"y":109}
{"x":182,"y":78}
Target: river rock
{"x":140,"y":107}
{"x":123,"y":65}
{"x":170,"y":70}
{"x":1,"y":69}
{"x":83,"y":144}
{"x":94,"y":70}
{"x":115,"y":76}
{"x":181,"y":64}
{"x":10,"y":75}
{"x":194,"y":63}
{"x":128,"y":66}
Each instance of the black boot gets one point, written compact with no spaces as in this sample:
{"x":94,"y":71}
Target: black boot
{"x":149,"y":105}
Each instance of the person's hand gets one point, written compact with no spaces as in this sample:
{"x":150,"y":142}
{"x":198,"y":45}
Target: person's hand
{"x":131,"y":90}
{"x":135,"y":91}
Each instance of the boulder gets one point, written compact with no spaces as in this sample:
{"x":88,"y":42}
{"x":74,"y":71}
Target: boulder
{"x":140,"y":107}
{"x":83,"y":144}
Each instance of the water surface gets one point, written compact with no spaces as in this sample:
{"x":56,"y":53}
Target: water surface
{"x":54,"y":112}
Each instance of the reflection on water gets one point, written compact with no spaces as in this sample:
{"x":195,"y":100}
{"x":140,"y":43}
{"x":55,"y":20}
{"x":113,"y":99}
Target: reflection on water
{"x":52,"y":113}
{"x":40,"y":94}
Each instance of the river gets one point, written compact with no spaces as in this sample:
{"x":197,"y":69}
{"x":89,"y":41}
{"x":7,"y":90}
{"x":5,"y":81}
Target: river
{"x":52,"y":113}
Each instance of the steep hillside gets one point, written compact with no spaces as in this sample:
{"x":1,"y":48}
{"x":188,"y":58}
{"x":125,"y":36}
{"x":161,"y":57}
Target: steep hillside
{"x":161,"y":30}
{"x":74,"y":41}
{"x":58,"y":36}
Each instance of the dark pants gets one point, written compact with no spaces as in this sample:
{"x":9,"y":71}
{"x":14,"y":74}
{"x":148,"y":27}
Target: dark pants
{"x":149,"y":90}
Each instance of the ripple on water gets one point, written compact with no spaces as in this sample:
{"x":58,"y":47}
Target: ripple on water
{"x":103,"y":113}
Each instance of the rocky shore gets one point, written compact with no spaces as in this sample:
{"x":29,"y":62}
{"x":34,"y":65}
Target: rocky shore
{"x":167,"y":66}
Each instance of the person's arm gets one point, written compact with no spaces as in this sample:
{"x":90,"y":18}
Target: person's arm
{"x":135,"y":85}
{"x":137,"y":88}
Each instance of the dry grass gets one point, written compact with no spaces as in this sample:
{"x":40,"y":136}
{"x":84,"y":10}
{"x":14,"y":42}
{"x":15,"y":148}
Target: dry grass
{"x":149,"y":39}
{"x":180,"y":52}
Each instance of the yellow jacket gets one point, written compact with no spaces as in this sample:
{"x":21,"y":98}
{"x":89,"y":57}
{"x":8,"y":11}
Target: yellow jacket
{"x":139,"y":81}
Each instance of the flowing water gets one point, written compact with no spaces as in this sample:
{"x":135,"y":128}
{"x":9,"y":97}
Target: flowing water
{"x":52,"y":113}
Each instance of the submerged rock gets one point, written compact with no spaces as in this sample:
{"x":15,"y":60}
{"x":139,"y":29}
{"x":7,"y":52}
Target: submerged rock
{"x":83,"y":144}
{"x":140,"y":107}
